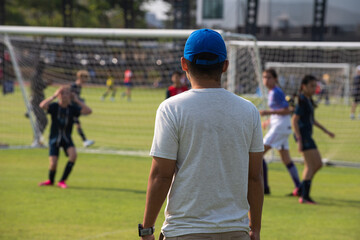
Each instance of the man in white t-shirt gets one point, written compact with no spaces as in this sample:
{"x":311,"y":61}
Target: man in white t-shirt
{"x":207,"y":154}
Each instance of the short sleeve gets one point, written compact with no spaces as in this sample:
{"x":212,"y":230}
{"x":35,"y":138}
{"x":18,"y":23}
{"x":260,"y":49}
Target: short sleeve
{"x":278,"y":100}
{"x":165,"y":142}
{"x":300,"y":110}
{"x":76,"y":110}
{"x":257,"y":144}
{"x":52,"y":108}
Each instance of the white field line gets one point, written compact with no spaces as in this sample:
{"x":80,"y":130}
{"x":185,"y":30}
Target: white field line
{"x":269,"y":159}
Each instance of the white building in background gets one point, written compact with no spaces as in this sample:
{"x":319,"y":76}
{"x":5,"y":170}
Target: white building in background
{"x":230,"y":14}
{"x":224,"y":14}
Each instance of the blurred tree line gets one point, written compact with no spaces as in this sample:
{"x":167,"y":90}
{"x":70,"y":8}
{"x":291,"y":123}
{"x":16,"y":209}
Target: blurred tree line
{"x":85,"y":13}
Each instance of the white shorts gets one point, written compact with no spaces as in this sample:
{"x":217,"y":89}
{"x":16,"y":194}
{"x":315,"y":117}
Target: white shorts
{"x":277,"y":140}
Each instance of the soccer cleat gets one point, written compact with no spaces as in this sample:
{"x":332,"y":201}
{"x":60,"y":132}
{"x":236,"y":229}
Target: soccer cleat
{"x":295,"y":193}
{"x":303,"y":200}
{"x":267,"y":190}
{"x":88,"y":143}
{"x":46,"y":183}
{"x":62,"y":184}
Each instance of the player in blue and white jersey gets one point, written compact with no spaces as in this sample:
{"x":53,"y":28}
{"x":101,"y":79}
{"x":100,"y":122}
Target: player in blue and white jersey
{"x":303,"y":121}
{"x":62,"y":114}
{"x":280,"y":128}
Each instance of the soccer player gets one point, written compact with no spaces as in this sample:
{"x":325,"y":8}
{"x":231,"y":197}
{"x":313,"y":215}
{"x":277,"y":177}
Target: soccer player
{"x":37,"y":86}
{"x":81,"y":77}
{"x":303,"y":121}
{"x":62,"y":114}
{"x":110,"y":84}
{"x":355,"y":93}
{"x":177,"y":87}
{"x":128,"y":83}
{"x":280,"y":128}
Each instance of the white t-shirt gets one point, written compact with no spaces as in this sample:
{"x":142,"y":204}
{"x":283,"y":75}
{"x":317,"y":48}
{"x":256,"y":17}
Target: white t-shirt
{"x":209,"y":132}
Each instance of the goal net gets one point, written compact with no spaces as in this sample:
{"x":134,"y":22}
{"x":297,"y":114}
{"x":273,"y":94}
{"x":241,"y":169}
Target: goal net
{"x":37,"y":60}
{"x":333,"y":64}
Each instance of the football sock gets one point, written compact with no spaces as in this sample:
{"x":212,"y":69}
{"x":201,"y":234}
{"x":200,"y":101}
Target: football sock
{"x":293,"y":173}
{"x":265,"y":175}
{"x":306,"y":189}
{"x":82,"y":134}
{"x":52,"y":175}
{"x":67,"y":170}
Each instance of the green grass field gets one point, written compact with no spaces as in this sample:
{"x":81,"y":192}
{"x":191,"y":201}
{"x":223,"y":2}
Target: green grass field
{"x":126,"y":125}
{"x":106,"y":197}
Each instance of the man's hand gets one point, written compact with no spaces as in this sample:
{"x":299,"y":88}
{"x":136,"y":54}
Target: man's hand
{"x":57,"y":92}
{"x":148,"y":237}
{"x":254,"y":235}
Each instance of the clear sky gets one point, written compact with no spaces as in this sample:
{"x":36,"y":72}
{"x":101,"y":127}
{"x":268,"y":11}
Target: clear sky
{"x":157,"y":7}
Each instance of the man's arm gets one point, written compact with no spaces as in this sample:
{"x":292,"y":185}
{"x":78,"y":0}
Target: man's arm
{"x":281,"y":111}
{"x":255,"y":193}
{"x":295,"y":124}
{"x":85,"y":110}
{"x":160,"y":179}
{"x":45,"y":103}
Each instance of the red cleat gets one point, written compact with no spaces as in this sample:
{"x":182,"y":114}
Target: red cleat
{"x":296,"y":192}
{"x":46,"y":183}
{"x":62,"y":184}
{"x":306,"y":201}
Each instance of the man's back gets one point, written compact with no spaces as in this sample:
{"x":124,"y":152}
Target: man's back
{"x":210,"y":133}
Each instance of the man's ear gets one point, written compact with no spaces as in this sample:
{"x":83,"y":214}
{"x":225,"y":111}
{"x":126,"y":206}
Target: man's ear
{"x":184,"y":65}
{"x":225,"y":66}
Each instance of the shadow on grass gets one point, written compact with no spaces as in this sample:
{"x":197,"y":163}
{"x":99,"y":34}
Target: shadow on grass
{"x":338,"y":202}
{"x":108,"y":189}
{"x":322,"y":201}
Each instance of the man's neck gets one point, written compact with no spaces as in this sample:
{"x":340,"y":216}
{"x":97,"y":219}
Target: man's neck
{"x":198,"y":84}
{"x":78,"y":82}
{"x":63,"y":105}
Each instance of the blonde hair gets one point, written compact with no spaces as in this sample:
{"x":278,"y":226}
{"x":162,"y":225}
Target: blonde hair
{"x":81,"y":73}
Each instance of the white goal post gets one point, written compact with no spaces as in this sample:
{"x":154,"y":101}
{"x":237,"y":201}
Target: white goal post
{"x":152,"y":55}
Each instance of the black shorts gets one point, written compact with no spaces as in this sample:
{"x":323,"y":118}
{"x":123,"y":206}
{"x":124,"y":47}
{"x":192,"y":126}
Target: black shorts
{"x":356,"y":98}
{"x":308,"y":142}
{"x":76,"y":120}
{"x":55,"y":145}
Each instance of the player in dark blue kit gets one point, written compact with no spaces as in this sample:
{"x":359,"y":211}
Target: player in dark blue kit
{"x":62,"y":114}
{"x":81,"y":77}
{"x":303,"y":121}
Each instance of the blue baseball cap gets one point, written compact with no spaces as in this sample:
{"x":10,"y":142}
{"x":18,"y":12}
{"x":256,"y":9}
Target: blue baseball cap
{"x":205,"y":41}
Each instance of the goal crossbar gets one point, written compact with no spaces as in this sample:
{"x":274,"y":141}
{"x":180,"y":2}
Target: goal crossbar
{"x":302,"y":45}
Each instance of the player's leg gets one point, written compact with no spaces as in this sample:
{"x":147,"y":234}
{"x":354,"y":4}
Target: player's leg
{"x":113,"y":93}
{"x":286,"y":159}
{"x":353,"y":108}
{"x":312,"y":161}
{"x":53,"y":159}
{"x":265,"y":172}
{"x":128,"y":93}
{"x":105,"y":94}
{"x":86,"y":142}
{"x":72,"y":155}
{"x":79,"y":129}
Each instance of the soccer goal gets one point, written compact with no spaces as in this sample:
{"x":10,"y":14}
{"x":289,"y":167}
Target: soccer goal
{"x":333,"y":63}
{"x":333,"y":84}
{"x":118,"y":121}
